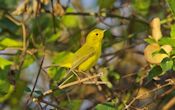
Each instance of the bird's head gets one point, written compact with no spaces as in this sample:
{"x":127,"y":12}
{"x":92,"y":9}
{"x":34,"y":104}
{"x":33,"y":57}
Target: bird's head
{"x":95,"y":36}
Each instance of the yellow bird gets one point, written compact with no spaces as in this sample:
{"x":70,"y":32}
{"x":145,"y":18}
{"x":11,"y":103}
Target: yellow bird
{"x":86,"y":57}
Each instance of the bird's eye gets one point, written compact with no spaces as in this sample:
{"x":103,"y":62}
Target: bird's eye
{"x":96,"y":34}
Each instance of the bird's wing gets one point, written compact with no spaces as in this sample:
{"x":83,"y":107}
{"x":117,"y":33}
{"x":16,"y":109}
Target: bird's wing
{"x":64,"y":59}
{"x":82,"y":55}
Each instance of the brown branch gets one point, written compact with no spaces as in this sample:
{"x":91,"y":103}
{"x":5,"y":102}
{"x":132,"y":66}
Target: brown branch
{"x":36,"y":80}
{"x":19,"y":23}
{"x":105,"y":15}
{"x":170,"y":82}
{"x":169,"y":104}
{"x":68,"y":85}
{"x":24,"y":35}
{"x":95,"y":82}
{"x":8,"y":53}
{"x":53,"y":105}
{"x":79,"y":81}
{"x":53,"y":17}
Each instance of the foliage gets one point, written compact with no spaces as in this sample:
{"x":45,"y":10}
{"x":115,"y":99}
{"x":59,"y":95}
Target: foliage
{"x":135,"y":70}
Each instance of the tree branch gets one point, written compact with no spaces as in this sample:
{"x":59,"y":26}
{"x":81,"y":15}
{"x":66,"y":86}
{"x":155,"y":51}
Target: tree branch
{"x":105,"y":15}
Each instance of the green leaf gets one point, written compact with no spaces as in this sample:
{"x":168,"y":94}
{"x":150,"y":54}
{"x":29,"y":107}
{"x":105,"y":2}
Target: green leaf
{"x":37,"y":93}
{"x":104,"y":78}
{"x":75,"y":104}
{"x":54,"y":37}
{"x":106,"y":3}
{"x":7,"y":42}
{"x":4,"y":63}
{"x":166,"y":64}
{"x":149,"y":40}
{"x":167,"y":41}
{"x":8,"y":93}
{"x":155,"y":71}
{"x":141,"y":6}
{"x":28,"y":61}
{"x":4,"y":87}
{"x":116,"y":75}
{"x":56,"y":73}
{"x":63,"y":58}
{"x":27,"y":89}
{"x":173,"y":64}
{"x":171,"y":4}
{"x":18,"y":94}
{"x":172,"y":53}
{"x":70,"y":20}
{"x":161,"y":51}
{"x":105,"y":106}
{"x":172,"y":34}
{"x":71,"y":105}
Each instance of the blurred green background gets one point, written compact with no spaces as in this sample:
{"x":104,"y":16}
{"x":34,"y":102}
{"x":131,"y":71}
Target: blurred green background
{"x":52,"y":29}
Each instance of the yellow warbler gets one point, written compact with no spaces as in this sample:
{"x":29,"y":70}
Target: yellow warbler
{"x":87,"y":56}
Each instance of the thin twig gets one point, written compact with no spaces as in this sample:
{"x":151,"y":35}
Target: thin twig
{"x":40,"y":107}
{"x":79,"y":81}
{"x":24,"y":33}
{"x":95,"y":82}
{"x":105,"y":15}
{"x":53,"y":17}
{"x":170,"y":82}
{"x":53,"y":105}
{"x":169,"y":104}
{"x":19,"y":23}
{"x":71,"y":84}
{"x":39,"y":71}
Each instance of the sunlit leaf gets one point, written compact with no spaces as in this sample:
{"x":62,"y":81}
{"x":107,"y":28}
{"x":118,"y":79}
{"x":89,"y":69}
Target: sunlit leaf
{"x":167,"y":40}
{"x":104,"y":78}
{"x":4,"y":87}
{"x":172,"y":34}
{"x":171,"y":4}
{"x":54,"y":37}
{"x":149,"y":40}
{"x":4,"y":63}
{"x":70,"y":20}
{"x":28,"y":61}
{"x":105,"y":3}
{"x":7,"y":42}
{"x":166,"y":64}
{"x":8,"y":93}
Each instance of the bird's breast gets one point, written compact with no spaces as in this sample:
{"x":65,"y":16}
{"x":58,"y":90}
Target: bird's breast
{"x":90,"y":62}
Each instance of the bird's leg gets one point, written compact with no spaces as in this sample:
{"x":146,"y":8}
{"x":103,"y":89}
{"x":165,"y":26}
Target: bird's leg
{"x":65,"y":80}
{"x":86,"y":74}
{"x":70,"y":77}
{"x":94,"y":80}
{"x":76,"y":75}
{"x":96,"y":83}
